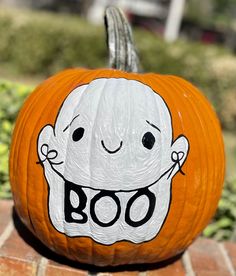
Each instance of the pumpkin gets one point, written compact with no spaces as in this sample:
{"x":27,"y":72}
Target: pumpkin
{"x":110,"y":168}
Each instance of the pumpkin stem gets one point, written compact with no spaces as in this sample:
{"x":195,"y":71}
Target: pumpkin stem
{"x":122,"y":53}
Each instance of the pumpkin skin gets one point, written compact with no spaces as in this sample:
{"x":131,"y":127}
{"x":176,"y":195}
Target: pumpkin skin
{"x":193,"y":195}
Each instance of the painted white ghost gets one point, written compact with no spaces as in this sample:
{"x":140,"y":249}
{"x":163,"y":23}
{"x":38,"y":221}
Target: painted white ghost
{"x":109,"y":161}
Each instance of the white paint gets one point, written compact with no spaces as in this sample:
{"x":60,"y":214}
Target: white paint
{"x":106,"y":209}
{"x":112,"y":110}
{"x":139,"y":208}
{"x":74,"y":199}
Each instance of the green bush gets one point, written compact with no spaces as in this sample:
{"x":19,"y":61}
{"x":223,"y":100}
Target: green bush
{"x":42,"y":43}
{"x":38,"y":43}
{"x":12,"y":97}
{"x":223,"y":226}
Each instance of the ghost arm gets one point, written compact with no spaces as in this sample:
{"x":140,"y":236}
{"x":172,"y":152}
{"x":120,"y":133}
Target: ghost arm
{"x":48,"y":155}
{"x":48,"y":159}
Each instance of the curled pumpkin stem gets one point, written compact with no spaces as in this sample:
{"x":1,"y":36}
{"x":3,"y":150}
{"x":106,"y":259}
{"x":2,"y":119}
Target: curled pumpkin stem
{"x":122,"y":52}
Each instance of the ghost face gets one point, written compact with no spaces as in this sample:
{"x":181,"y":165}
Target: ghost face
{"x":109,"y":161}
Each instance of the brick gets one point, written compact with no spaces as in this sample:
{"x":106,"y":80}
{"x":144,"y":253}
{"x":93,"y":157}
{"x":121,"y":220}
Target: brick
{"x":16,"y":247}
{"x":175,"y":268}
{"x":62,"y":271}
{"x":207,"y":259}
{"x":56,"y":269}
{"x":231,"y":251}
{"x":5,"y":214}
{"x":125,"y":273}
{"x":14,"y":267}
{"x":120,"y":273}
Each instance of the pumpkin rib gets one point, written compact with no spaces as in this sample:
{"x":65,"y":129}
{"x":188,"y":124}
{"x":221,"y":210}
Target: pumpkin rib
{"x":70,"y":79}
{"x":135,"y":251}
{"x":112,"y":254}
{"x":45,"y":225}
{"x":28,"y":114}
{"x":148,"y":82}
{"x":217,"y":126}
{"x":173,"y":103}
{"x":176,"y":93}
{"x":13,"y":164}
{"x":203,"y":127}
{"x":171,"y":98}
{"x":73,"y":80}
{"x":214,"y":155}
{"x":204,"y":194}
{"x":90,"y":174}
{"x":157,"y":92}
{"x":18,"y":148}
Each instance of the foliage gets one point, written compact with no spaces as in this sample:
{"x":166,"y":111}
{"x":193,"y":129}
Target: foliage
{"x":42,"y":43}
{"x":211,"y":13}
{"x":223,"y":6}
{"x":12,"y":97}
{"x":223,"y":225}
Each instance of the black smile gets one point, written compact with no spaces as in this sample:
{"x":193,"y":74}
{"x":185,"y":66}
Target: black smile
{"x":112,"y":151}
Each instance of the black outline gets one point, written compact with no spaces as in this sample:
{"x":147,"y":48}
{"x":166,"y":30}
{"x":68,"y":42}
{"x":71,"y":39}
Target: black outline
{"x":153,"y":125}
{"x":111,"y":151}
{"x":70,"y":123}
{"x":172,"y":142}
{"x":152,"y":203}
{"x":93,"y":202}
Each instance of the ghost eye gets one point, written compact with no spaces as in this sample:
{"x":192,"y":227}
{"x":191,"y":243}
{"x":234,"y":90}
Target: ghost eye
{"x":148,"y":140}
{"x":78,"y":134}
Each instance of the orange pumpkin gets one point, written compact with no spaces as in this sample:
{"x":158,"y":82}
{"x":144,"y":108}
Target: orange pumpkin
{"x":109,"y":167}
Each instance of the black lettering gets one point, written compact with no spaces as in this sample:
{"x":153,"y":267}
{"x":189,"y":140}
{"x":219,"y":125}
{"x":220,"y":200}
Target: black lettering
{"x":69,"y":209}
{"x":152,"y":202}
{"x":93,"y":203}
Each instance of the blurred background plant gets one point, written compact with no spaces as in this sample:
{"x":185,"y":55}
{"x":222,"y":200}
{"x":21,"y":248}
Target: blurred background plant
{"x":36,"y":44}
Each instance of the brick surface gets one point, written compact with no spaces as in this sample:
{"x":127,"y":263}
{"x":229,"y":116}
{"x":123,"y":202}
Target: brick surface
{"x":56,"y":269}
{"x":125,"y":273}
{"x":231,"y":250}
{"x":175,"y":269}
{"x":5,"y":213}
{"x":14,"y":267}
{"x":63,"y":270}
{"x":207,"y":259}
{"x":120,"y":273}
{"x":16,"y":247}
